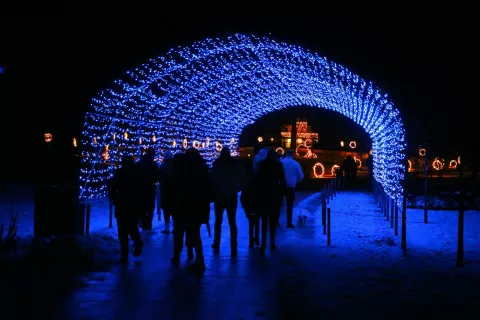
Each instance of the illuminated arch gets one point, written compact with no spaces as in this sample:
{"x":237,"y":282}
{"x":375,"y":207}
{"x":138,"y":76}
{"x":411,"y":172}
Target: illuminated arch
{"x":211,"y":90}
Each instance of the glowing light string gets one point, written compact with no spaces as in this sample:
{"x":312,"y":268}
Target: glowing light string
{"x":212,"y":89}
{"x":318,"y":165}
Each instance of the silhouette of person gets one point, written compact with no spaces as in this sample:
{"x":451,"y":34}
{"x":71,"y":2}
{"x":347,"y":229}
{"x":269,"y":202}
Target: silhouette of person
{"x":123,"y":192}
{"x":293,"y":175}
{"x":227,"y":178}
{"x":262,"y":154}
{"x":149,"y":174}
{"x":166,"y":190}
{"x":192,"y":203}
{"x":270,"y":180}
{"x":248,"y":199}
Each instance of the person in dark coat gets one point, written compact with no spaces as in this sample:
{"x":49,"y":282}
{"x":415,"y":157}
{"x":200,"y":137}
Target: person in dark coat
{"x":271,"y":186}
{"x":192,"y":203}
{"x":227,"y":178}
{"x":150,"y":175}
{"x":166,"y":190}
{"x":123,"y":192}
{"x":248,"y":200}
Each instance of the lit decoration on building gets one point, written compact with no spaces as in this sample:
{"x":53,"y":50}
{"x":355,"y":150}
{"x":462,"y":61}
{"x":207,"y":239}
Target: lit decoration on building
{"x":315,"y":168}
{"x":280,"y":150}
{"x":216,"y":87}
{"x":359,"y":161}
{"x":48,"y":137}
{"x":352,"y":144}
{"x":303,"y":132}
{"x":307,"y":150}
{"x":74,"y":142}
{"x":422,"y":152}
{"x":308,"y":143}
{"x":453,"y":164}
{"x":342,"y":144}
{"x":260,"y":139}
{"x":335,"y":167}
{"x":437,"y":164}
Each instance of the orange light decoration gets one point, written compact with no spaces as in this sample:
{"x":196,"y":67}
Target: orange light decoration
{"x":249,"y":155}
{"x":410,"y":166}
{"x":307,"y":141}
{"x":260,"y":139}
{"x":318,"y":165}
{"x":342,"y":144}
{"x":335,"y":167}
{"x":48,"y":137}
{"x":422,"y":152}
{"x":453,"y":164}
{"x":140,"y":140}
{"x":174,"y":143}
{"x":125,"y":135}
{"x":279,"y":150}
{"x":458,"y":160}
{"x":114,"y":136}
{"x":74,"y":142}
{"x":299,"y":140}
{"x":218,"y":146}
{"x":437,"y":164}
{"x":185,"y":143}
{"x":352,"y":144}
{"x":94,"y":139}
{"x":154,"y":139}
{"x":271,"y":139}
{"x":371,"y":151}
{"x":196,"y":144}
{"x":358,"y":161}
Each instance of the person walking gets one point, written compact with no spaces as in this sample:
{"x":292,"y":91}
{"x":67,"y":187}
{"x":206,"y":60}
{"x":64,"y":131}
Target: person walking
{"x":293,"y":175}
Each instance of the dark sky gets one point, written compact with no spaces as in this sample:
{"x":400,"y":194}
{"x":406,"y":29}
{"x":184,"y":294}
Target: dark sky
{"x":54,"y":65}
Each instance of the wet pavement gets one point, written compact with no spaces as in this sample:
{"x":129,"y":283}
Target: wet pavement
{"x":364,"y":274}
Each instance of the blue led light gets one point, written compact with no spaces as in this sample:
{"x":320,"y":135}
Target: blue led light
{"x":205,"y":94}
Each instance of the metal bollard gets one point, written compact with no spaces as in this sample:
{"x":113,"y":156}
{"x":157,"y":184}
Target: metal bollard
{"x":329,"y":227}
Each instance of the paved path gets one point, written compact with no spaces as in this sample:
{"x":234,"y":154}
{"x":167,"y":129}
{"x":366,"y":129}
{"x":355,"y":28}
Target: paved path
{"x":362,"y":275}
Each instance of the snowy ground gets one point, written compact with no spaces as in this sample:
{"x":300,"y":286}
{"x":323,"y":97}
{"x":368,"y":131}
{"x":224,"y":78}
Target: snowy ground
{"x":364,"y":274}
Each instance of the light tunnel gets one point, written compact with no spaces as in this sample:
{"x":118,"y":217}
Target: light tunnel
{"x":204,"y":95}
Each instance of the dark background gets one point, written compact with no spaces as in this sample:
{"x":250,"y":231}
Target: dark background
{"x":54,"y":65}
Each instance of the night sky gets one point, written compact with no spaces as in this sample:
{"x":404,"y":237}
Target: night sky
{"x":54,"y":65}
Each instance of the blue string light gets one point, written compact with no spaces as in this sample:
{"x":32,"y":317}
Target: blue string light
{"x":205,"y":94}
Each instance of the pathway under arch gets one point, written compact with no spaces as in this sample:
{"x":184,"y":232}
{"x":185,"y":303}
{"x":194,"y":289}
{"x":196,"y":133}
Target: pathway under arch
{"x":203,"y":96}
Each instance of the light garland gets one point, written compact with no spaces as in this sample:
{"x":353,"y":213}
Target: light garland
{"x":352,"y":144}
{"x":438,"y":164}
{"x":359,"y":161}
{"x":48,"y":137}
{"x":335,"y":167}
{"x":453,"y":164}
{"x":215,"y":88}
{"x":422,"y":152}
{"x":318,"y":165}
